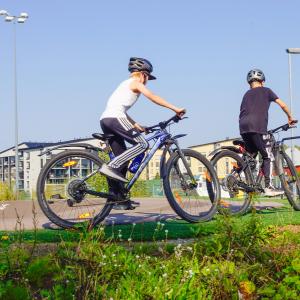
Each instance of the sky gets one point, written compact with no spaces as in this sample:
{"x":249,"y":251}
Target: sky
{"x":71,"y":55}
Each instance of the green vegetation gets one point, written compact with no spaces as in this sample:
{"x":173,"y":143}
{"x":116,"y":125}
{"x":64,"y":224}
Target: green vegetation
{"x":6,"y":192}
{"x":227,"y":257}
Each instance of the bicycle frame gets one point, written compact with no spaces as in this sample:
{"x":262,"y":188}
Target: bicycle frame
{"x":277,"y":151}
{"x":161,"y":136}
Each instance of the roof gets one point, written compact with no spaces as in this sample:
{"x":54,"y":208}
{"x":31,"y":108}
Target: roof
{"x":216,"y":142}
{"x":41,"y":145}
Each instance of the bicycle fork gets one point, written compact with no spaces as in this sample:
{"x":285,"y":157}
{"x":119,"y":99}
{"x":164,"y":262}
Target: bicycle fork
{"x":187,"y":167}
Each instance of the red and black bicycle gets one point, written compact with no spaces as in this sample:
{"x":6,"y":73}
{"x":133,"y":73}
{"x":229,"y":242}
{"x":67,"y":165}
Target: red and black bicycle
{"x":241,"y":177}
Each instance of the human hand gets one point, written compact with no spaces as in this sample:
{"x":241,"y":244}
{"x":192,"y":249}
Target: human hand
{"x":180,"y":111}
{"x":292,"y":121}
{"x":139,"y":127}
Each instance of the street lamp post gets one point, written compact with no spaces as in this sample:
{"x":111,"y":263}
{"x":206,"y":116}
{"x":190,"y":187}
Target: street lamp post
{"x":15,"y":19}
{"x":291,"y":51}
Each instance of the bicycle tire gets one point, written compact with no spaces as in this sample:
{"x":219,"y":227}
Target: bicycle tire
{"x":173,"y":198}
{"x":234,"y":206}
{"x":290,"y":171}
{"x":45,"y":203}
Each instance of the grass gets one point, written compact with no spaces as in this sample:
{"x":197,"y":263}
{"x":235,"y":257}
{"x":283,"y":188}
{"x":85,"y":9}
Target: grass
{"x":229,"y":258}
{"x":174,"y":229}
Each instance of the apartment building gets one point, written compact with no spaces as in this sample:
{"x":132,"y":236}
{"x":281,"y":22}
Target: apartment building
{"x":208,"y":148}
{"x":31,"y":163}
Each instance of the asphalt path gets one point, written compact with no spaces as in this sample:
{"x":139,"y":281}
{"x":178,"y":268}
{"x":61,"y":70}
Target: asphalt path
{"x":27,"y":213}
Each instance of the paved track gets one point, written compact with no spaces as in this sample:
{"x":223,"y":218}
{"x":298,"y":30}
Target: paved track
{"x":151,"y":209}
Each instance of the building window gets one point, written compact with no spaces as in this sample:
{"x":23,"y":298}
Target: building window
{"x":12,"y":160}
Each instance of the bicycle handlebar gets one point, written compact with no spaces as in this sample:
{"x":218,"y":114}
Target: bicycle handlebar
{"x":284,"y":127}
{"x":164,"y":124}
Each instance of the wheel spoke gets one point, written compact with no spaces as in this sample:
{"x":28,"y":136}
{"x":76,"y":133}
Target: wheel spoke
{"x":63,"y":193}
{"x":193,"y":198}
{"x":233,"y":179}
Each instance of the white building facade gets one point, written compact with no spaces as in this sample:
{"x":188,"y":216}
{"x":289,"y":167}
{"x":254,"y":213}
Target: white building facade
{"x":30,"y":162}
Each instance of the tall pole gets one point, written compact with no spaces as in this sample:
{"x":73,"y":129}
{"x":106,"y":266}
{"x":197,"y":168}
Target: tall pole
{"x":291,"y":51}
{"x":291,"y":102}
{"x":15,"y":19}
{"x":16,"y":111}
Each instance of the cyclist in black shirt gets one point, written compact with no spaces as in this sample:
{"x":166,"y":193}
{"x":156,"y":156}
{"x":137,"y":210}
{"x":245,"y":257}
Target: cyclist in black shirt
{"x":253,"y":121}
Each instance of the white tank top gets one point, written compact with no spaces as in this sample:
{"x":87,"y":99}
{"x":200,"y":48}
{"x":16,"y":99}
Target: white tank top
{"x":120,"y":101}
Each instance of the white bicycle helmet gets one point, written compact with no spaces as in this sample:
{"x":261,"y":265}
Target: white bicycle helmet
{"x":255,"y":75}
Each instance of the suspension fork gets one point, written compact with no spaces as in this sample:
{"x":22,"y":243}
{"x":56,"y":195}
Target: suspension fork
{"x":163,"y":159}
{"x":277,"y":152}
{"x":185,"y":163}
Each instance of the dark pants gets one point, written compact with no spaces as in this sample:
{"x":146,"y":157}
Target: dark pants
{"x":254,"y":143}
{"x":123,"y":131}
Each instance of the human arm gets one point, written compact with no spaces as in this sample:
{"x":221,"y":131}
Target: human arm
{"x":285,"y":108}
{"x":138,"y":87}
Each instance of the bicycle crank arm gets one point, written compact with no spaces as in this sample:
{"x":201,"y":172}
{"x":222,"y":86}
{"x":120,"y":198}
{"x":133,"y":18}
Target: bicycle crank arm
{"x":102,"y":195}
{"x":246,"y":188}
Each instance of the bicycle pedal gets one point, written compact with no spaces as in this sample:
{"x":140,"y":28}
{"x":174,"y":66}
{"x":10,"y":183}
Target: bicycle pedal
{"x":126,"y":205}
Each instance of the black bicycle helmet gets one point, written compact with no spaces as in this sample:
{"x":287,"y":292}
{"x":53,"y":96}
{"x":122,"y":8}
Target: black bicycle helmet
{"x":255,"y":75}
{"x":137,"y":64}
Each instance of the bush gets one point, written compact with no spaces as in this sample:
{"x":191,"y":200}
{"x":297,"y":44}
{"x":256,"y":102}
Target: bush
{"x":6,"y":192}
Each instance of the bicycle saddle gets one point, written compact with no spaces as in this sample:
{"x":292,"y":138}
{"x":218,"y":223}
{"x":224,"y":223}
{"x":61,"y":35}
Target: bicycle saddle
{"x":102,"y":136}
{"x":239,"y":143}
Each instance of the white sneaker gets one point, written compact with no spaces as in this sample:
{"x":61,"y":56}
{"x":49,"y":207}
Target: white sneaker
{"x":272,"y":192}
{"x":112,"y":173}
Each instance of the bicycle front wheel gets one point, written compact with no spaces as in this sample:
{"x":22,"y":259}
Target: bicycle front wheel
{"x":234,"y":179}
{"x":195,"y":198}
{"x":290,"y":182}
{"x":64,"y":197}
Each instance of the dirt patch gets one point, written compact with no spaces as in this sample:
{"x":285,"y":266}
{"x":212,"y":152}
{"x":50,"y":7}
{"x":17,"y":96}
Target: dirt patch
{"x":37,"y":250}
{"x":291,"y":228}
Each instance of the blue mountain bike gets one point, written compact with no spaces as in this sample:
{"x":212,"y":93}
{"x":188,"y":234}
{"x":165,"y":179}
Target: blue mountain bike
{"x":71,"y":190}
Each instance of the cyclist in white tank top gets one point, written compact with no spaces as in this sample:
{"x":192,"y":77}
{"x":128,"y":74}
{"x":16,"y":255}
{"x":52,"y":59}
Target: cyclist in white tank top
{"x":120,"y":101}
{"x":115,"y":119}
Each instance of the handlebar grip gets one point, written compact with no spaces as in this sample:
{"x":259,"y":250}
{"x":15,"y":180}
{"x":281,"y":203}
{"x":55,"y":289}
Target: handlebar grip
{"x":285,"y":127}
{"x":176,"y":119}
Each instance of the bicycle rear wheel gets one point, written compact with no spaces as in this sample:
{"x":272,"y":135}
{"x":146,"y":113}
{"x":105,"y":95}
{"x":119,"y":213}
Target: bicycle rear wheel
{"x":290,"y":181}
{"x":193,"y":199}
{"x":62,"y":195}
{"x":233,"y":179}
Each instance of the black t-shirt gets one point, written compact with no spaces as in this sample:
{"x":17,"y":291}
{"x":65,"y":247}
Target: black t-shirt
{"x":254,"y":110}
